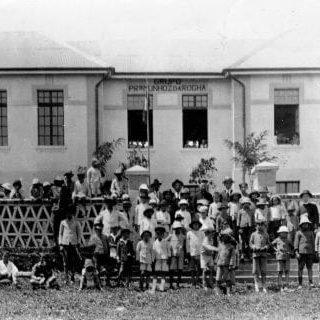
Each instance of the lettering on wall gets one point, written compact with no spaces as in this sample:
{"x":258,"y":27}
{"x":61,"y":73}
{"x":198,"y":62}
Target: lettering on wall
{"x":167,"y":85}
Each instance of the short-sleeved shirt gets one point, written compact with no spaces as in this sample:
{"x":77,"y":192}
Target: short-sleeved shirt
{"x":282,"y":249}
{"x":144,"y":252}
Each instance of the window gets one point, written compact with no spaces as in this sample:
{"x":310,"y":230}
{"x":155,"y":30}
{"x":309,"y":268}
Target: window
{"x":137,"y":121}
{"x":195,"y":121}
{"x":286,"y":116}
{"x":284,"y":187}
{"x":3,"y":119}
{"x":50,"y":118}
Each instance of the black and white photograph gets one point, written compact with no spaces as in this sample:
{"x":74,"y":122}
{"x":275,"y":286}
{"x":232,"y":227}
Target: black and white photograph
{"x":159,"y":159}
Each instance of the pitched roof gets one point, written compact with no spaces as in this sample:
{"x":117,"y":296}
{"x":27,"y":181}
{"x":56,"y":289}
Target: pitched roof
{"x":31,"y":50}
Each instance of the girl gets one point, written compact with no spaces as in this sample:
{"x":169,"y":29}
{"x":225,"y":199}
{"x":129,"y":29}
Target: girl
{"x":145,"y":256}
{"x":304,"y":249}
{"x":277,"y":216}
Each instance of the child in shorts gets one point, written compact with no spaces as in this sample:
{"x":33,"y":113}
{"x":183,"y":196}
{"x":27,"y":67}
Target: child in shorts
{"x":161,"y":254}
{"x":208,"y":250}
{"x":177,"y":248}
{"x":282,"y":247}
{"x":259,"y":244}
{"x":144,"y":254}
{"x":304,"y":249}
{"x":226,"y":260}
{"x":193,"y":246}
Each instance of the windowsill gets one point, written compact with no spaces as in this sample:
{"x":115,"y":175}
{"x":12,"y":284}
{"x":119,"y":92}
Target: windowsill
{"x":4,"y":148}
{"x":287,"y":146}
{"x":143,"y":150}
{"x":51,"y":148}
{"x":195,"y":149}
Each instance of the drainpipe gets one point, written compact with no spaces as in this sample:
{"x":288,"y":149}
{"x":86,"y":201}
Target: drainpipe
{"x":229,"y":75}
{"x":97,"y":120}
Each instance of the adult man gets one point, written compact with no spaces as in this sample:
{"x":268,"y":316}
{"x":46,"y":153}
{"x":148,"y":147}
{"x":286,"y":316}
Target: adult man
{"x":177,"y":186}
{"x":227,"y":182}
{"x":155,"y":190}
{"x":203,"y":193}
{"x":311,"y":208}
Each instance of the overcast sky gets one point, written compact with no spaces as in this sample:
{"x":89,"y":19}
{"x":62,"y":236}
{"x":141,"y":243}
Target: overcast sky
{"x":163,"y":19}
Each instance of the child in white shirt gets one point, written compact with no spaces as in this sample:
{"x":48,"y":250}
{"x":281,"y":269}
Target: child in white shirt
{"x":8,"y":270}
{"x":148,"y":222}
{"x":183,"y":206}
{"x":162,"y":216}
{"x":94,"y":179}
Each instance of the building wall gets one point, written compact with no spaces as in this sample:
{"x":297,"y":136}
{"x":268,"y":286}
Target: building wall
{"x":297,"y":162}
{"x":169,"y":160}
{"x":23,"y":158}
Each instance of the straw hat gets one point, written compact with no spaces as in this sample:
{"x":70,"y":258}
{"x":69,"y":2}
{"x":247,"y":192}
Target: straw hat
{"x":183,"y":202}
{"x":304,"y":219}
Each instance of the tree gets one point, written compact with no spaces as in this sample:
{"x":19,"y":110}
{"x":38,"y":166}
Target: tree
{"x":105,"y":152}
{"x":204,"y":171}
{"x":251,"y":153}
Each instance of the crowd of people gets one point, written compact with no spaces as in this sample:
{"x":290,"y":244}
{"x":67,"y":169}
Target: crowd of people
{"x":163,"y":231}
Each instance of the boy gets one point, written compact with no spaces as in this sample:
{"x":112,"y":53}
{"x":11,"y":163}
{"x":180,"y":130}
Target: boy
{"x":224,"y":220}
{"x":94,"y":179}
{"x":99,"y":243}
{"x":89,"y":276}
{"x":139,"y":210}
{"x":177,"y":247}
{"x":161,"y":254}
{"x":145,"y":257}
{"x":8,"y":270}
{"x":304,"y":249}
{"x":42,"y":275}
{"x":81,"y":187}
{"x":148,"y":222}
{"x":208,"y":250}
{"x":259,"y":244}
{"x":125,"y":255}
{"x":292,"y":221}
{"x":162,"y":217}
{"x":36,"y":190}
{"x":183,"y":206}
{"x":194,"y":242}
{"x":69,"y":242}
{"x":16,"y":192}
{"x":203,"y":217}
{"x":282,"y":247}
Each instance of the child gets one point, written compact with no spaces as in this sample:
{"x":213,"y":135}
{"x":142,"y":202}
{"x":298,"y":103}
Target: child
{"x":47,"y":192}
{"x":81,"y":187}
{"x":162,"y":217}
{"x":89,"y":276}
{"x":8,"y":270}
{"x":42,"y":275}
{"x":161,"y":254}
{"x":226,"y":260}
{"x":6,"y":189}
{"x":317,"y":250}
{"x":99,"y":244}
{"x":277,"y":216}
{"x":208,"y":250}
{"x":113,"y":239}
{"x":183,"y":206}
{"x":292,"y":221}
{"x":16,"y":192}
{"x":148,"y":222}
{"x":304,"y":249}
{"x":36,"y":190}
{"x":203,"y":217}
{"x":153,"y":204}
{"x":262,"y":210}
{"x":245,"y":224}
{"x":140,"y":208}
{"x":94,"y":179}
{"x":282,"y":247}
{"x":259,"y":244}
{"x":177,"y":247}
{"x":224,"y":220}
{"x":144,"y":255}
{"x":69,"y":241}
{"x":194,"y":242}
{"x":213,"y":208}
{"x":125,"y":254}
{"x":234,"y":206}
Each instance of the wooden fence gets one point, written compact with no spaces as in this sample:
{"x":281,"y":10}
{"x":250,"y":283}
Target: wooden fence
{"x":29,"y":225}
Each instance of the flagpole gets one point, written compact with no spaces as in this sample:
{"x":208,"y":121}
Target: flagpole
{"x":148,"y":130}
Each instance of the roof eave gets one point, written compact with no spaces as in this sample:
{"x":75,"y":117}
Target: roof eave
{"x":164,"y":75}
{"x":55,"y":70}
{"x":261,"y":71}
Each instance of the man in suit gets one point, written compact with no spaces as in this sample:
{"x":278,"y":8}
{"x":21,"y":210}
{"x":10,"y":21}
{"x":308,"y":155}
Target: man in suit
{"x":155,"y":190}
{"x":310,"y":208}
{"x":227,"y":192}
{"x":203,"y":193}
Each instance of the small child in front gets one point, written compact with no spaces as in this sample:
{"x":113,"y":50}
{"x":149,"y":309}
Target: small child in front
{"x":161,"y":254}
{"x":259,"y":244}
{"x":206,"y":258}
{"x":282,"y":247}
{"x":304,"y":249}
{"x":226,"y":260}
{"x":145,"y":256}
{"x":42,"y":275}
{"x":89,"y":276}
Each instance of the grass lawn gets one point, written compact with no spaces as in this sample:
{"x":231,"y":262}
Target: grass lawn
{"x":121,"y":303}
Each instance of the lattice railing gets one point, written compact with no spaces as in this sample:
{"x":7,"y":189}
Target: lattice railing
{"x":27,"y":224}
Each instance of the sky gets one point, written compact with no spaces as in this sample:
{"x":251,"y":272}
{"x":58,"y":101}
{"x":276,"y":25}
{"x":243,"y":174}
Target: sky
{"x":99,"y":20}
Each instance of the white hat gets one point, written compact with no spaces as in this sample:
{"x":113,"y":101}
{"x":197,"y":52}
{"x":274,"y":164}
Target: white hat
{"x":152,"y":201}
{"x":46,"y":184}
{"x":206,"y":228}
{"x":203,"y":209}
{"x":183,"y":201}
{"x":245,"y":200}
{"x":283,"y":229}
{"x":6,"y":186}
{"x":203,"y":202}
{"x":227,"y":231}
{"x":143,"y":186}
{"x":304,"y":219}
{"x":35,"y":181}
{"x":177,"y":225}
{"x":125,"y":197}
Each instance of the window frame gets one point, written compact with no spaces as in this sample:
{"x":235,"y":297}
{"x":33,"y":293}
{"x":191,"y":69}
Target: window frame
{"x":4,"y":136}
{"x":286,"y":183}
{"x":56,"y":119}
{"x":192,"y":106}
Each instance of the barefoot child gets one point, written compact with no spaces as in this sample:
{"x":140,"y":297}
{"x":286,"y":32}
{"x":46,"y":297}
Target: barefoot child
{"x":161,"y":254}
{"x":259,"y":244}
{"x":194,"y":242}
{"x":208,"y":250}
{"x":282,"y":247}
{"x":304,"y":249}
{"x":145,"y":256}
{"x":89,"y":276}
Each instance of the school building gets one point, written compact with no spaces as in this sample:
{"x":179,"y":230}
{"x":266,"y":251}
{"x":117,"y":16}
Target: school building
{"x":58,"y":102}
